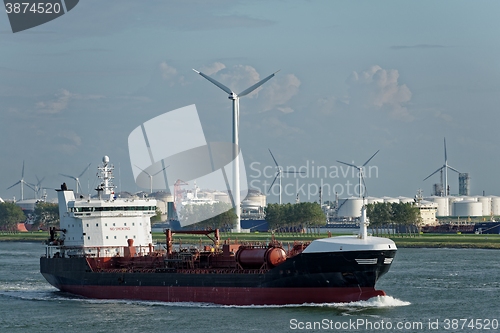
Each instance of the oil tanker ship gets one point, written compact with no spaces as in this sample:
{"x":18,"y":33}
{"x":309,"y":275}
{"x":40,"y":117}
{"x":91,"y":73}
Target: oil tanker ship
{"x":103,"y":249}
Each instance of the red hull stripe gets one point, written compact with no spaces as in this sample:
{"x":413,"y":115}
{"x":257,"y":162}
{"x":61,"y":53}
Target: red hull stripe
{"x":226,"y":296}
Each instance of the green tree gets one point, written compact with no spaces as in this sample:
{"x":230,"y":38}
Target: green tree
{"x":197,"y":215}
{"x":157,"y":217}
{"x":46,"y":214}
{"x":301,"y":214}
{"x":10,"y":215}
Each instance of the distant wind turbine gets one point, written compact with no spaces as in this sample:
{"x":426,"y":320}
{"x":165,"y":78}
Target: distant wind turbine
{"x":236,"y":119}
{"x":444,"y":168}
{"x":151,"y":176}
{"x":36,"y":187}
{"x":360,"y":172}
{"x":77,"y":179}
{"x":22,"y":182}
{"x":279,"y":174}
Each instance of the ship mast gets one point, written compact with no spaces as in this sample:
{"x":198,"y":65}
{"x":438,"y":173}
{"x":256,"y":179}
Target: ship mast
{"x":106,"y":186}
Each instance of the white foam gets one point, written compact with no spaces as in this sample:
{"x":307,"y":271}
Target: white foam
{"x":374,"y":302}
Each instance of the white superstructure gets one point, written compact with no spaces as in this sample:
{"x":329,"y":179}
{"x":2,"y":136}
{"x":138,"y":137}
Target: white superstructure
{"x":105,"y":221}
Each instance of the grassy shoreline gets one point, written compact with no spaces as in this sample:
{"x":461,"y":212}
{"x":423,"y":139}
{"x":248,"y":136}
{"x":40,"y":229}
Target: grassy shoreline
{"x":423,"y":241}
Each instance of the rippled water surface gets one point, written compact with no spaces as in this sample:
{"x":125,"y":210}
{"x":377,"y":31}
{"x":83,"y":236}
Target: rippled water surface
{"x":425,"y":287}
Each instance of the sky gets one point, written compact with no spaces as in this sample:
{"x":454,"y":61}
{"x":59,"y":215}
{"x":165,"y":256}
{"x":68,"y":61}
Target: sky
{"x":354,"y":77}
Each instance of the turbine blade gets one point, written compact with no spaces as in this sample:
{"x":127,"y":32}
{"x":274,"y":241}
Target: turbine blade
{"x":371,"y":157}
{"x":451,"y":168}
{"x":364,"y":186}
{"x":255,"y":86}
{"x":72,"y":177}
{"x":161,"y":170}
{"x":143,"y":171}
{"x":433,"y":173}
{"x":22,"y":174}
{"x":14,"y":185}
{"x":273,"y":158}
{"x":31,"y":186}
{"x":217,"y":83}
{"x":293,"y":171}
{"x":270,"y":187}
{"x":88,"y":166}
{"x":39,"y":181}
{"x":349,"y":164}
{"x":445,"y":155}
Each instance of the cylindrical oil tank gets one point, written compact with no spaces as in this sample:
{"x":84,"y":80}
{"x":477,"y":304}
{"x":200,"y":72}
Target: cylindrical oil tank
{"x":221,"y":197}
{"x":250,"y":205}
{"x":390,"y":200}
{"x":256,"y":197}
{"x":467,"y":208}
{"x":350,"y":207}
{"x":442,"y":203}
{"x":374,"y":200}
{"x":486,"y":201}
{"x":249,"y":257}
{"x":495,"y":205}
{"x":451,"y":207}
{"x":405,"y":200}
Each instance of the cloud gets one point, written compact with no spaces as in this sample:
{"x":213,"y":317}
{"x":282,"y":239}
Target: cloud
{"x":378,"y":88}
{"x":279,"y":92}
{"x":61,"y":102}
{"x":57,"y":105}
{"x":213,"y":68}
{"x":273,"y":95}
{"x":330,"y":104}
{"x":167,"y":72}
{"x":67,"y":141}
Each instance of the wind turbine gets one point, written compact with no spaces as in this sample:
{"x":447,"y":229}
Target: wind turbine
{"x":36,"y":187}
{"x":151,"y":176}
{"x":279,"y":173}
{"x":77,"y":179}
{"x":22,"y":182}
{"x":236,"y":120}
{"x":444,"y":168}
{"x":360,"y":172}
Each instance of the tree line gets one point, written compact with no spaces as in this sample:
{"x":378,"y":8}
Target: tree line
{"x":292,"y":216}
{"x":391,"y":218}
{"x":195,"y":216}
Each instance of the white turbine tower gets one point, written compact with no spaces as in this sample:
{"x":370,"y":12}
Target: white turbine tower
{"x":22,"y":182}
{"x":444,"y":168}
{"x":77,"y":179}
{"x":279,"y":174}
{"x":151,"y":176}
{"x":360,"y":172}
{"x":236,"y":119}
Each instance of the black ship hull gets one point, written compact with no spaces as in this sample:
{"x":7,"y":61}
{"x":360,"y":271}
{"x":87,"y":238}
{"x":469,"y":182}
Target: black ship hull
{"x":323,"y":277}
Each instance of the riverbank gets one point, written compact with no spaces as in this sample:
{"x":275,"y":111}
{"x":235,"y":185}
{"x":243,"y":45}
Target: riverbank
{"x":425,"y":241}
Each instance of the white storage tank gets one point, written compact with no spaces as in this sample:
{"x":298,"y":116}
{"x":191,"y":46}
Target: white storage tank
{"x":495,"y":205}
{"x":373,"y":200}
{"x":486,"y":201}
{"x":406,"y":200}
{"x":442,"y":203}
{"x":390,"y":200}
{"x":451,"y":201}
{"x":467,"y":208}
{"x":350,"y":207}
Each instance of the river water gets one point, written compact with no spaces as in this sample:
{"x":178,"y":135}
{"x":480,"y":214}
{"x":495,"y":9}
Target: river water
{"x":429,"y":290}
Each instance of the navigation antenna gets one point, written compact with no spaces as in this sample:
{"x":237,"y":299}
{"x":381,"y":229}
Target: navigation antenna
{"x":106,"y":186}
